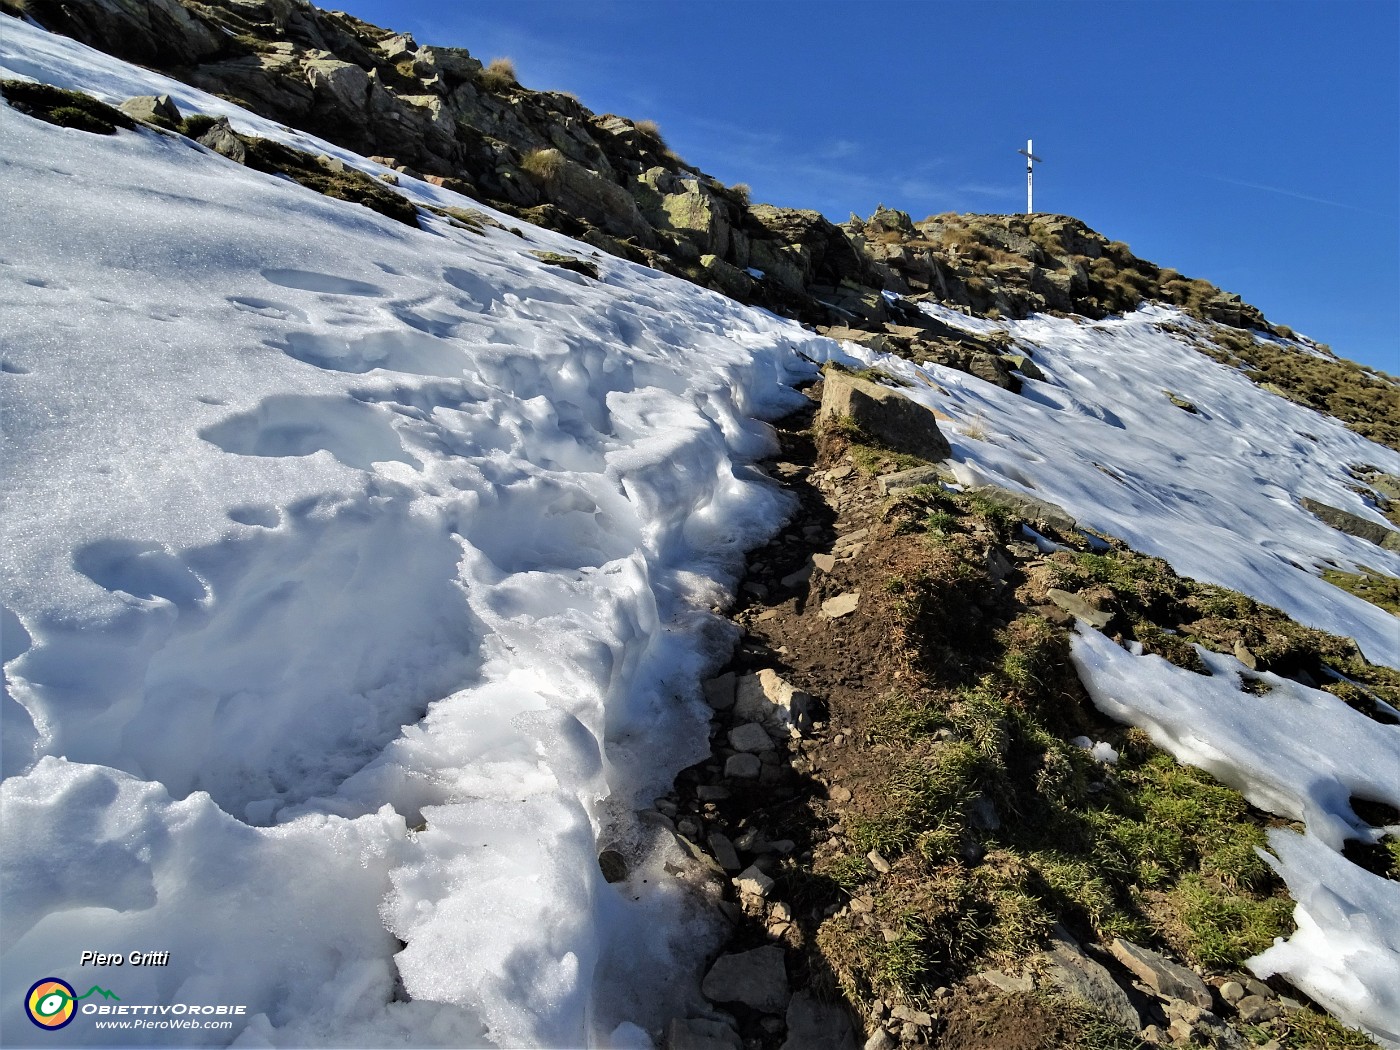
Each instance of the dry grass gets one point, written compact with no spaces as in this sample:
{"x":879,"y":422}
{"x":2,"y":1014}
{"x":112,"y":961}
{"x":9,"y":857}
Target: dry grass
{"x":498,"y":76}
{"x":546,"y":165}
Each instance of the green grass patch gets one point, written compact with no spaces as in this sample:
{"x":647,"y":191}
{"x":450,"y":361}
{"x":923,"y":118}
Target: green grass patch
{"x":1380,"y":590}
{"x":67,"y":109}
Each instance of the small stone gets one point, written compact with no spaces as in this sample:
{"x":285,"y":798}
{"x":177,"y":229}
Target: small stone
{"x":753,"y":882}
{"x":779,"y":912}
{"x":151,"y":107}
{"x":750,"y":737}
{"x":1254,"y":1009}
{"x":1179,"y":1031}
{"x":878,"y":1010}
{"x":1077,"y":606}
{"x":863,"y":904}
{"x":711,"y":793}
{"x":850,"y":538}
{"x":909,"y":1031}
{"x":724,"y":852}
{"x":1153,"y":1034}
{"x":908,"y":1013}
{"x":881,"y":1040}
{"x":1232,"y":991}
{"x":890,"y":934}
{"x":748,"y":840}
{"x":743,"y":766}
{"x":689,"y":827}
{"x":1006,"y":982}
{"x":799,"y":576}
{"x":1244,"y":656}
{"x":719,"y":692}
{"x":1166,"y":978}
{"x":878,"y":862}
{"x":840,"y":794}
{"x":824,"y":562}
{"x":841,"y":605}
{"x":613,"y":865}
{"x":845,"y":470}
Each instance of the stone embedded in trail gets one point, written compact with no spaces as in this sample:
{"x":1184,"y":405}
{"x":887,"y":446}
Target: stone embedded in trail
{"x":1164,"y":977}
{"x":696,"y":1033}
{"x":885,"y":414}
{"x":903,"y":480}
{"x":756,"y":978}
{"x":768,"y":698}
{"x":724,"y":852}
{"x":1005,"y":982}
{"x":1079,"y":977}
{"x":750,"y":737}
{"x":841,"y":605}
{"x":816,"y":1025}
{"x":1077,"y":606}
{"x":743,"y":766}
{"x":753,"y":882}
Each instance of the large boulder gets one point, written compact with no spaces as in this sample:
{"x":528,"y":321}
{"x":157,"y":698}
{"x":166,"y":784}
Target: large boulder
{"x":885,"y":414}
{"x":1354,"y":524}
{"x":696,"y":214}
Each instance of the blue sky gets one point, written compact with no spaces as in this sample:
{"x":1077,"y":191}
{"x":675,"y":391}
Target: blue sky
{"x":1254,"y":144}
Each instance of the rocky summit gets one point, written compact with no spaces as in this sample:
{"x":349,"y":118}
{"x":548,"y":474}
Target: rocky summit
{"x":421,"y":581}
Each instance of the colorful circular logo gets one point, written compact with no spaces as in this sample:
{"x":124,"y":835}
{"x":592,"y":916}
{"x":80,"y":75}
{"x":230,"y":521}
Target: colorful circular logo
{"x":50,"y":1004}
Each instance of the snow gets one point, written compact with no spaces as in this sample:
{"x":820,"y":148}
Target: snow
{"x":356,"y":592}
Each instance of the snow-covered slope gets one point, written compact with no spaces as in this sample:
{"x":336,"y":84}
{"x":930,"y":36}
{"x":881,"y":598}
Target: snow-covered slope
{"x":357,"y":579}
{"x":320,"y":529}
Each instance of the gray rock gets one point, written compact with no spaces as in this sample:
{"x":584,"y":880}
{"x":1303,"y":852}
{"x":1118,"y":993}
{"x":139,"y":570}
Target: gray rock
{"x":756,"y":978}
{"x":1006,"y":982}
{"x":696,"y":1033}
{"x":885,"y":414}
{"x":841,"y":605}
{"x":1232,"y":991}
{"x":743,"y":766}
{"x":768,"y":698}
{"x":152,"y":108}
{"x":1079,"y":977}
{"x":223,"y":141}
{"x":815,"y":1025}
{"x":724,"y":852}
{"x":1167,"y":979}
{"x":1077,"y":606}
{"x":903,"y":480}
{"x":823,"y":562}
{"x":881,"y":1040}
{"x":908,"y":1013}
{"x":750,"y":737}
{"x":1023,"y":364}
{"x":753,"y":882}
{"x":719,"y":692}
{"x":982,"y":813}
{"x":878,"y":862}
{"x":1254,"y":1009}
{"x":1028,"y":508}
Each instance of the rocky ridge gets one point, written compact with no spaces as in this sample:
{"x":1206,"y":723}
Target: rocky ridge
{"x":439,"y":113}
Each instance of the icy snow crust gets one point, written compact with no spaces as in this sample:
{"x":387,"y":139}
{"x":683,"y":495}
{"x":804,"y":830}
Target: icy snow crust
{"x":360,"y":576}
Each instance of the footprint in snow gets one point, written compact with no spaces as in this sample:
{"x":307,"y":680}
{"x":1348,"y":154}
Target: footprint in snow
{"x":312,"y":281}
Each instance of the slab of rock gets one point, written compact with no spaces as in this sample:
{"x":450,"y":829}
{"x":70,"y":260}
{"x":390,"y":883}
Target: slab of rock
{"x":841,"y":605}
{"x":750,"y":737}
{"x":152,"y":108}
{"x":1006,"y":982}
{"x":1079,"y":977}
{"x":724,"y":852}
{"x":756,"y":978}
{"x":823,"y":562}
{"x":1166,"y":979}
{"x":1255,"y":1009}
{"x":1028,"y":508}
{"x":815,"y":1025}
{"x":696,"y":1033}
{"x":1077,"y":606}
{"x":1354,"y":524}
{"x":885,"y":414}
{"x":902,"y":480}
